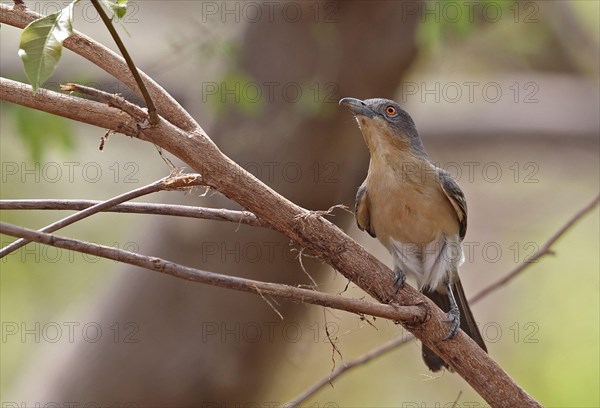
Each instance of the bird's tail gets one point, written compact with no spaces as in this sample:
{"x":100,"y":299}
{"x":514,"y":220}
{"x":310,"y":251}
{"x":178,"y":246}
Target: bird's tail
{"x":467,"y":322}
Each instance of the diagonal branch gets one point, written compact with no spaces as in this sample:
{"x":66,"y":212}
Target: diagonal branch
{"x":167,"y":183}
{"x":216,"y":214}
{"x":544,"y":250}
{"x":411,"y":314}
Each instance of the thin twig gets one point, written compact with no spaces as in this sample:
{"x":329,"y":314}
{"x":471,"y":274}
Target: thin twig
{"x":314,"y":283}
{"x":130,"y":64}
{"x":393,"y":344}
{"x":167,"y":183}
{"x":544,"y":250}
{"x":113,"y":100}
{"x":365,"y":358}
{"x":401,"y":313}
{"x":271,"y":305}
{"x":165,"y":158}
{"x":334,"y":348}
{"x":455,"y":404}
{"x":217,"y":214}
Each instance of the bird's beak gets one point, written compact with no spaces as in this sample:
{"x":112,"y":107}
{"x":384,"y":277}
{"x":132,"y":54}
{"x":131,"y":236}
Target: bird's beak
{"x":357,"y":107}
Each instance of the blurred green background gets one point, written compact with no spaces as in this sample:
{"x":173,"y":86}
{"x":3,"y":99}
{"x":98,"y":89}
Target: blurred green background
{"x":505,"y":96}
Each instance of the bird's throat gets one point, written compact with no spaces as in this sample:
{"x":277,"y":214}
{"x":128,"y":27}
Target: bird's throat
{"x":380,"y":140}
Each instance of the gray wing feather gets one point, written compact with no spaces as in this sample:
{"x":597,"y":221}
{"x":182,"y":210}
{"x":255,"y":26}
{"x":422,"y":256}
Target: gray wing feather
{"x":457,"y":199}
{"x":361,"y":209}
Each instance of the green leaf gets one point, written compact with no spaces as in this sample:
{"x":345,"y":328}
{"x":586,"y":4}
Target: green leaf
{"x":41,"y":45}
{"x":118,"y":7}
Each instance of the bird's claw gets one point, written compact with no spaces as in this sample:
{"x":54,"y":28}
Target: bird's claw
{"x":454,"y":320}
{"x":400,"y":279}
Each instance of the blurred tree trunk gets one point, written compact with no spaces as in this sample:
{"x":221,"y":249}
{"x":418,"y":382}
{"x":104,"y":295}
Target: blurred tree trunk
{"x":191,"y":345}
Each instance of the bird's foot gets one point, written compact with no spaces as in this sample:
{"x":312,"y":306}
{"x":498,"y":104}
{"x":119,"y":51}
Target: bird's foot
{"x":454,"y":320}
{"x":400,"y":278}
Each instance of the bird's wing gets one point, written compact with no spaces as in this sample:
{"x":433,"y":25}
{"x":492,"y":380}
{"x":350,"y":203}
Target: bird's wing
{"x":361,"y":208}
{"x":457,"y":199}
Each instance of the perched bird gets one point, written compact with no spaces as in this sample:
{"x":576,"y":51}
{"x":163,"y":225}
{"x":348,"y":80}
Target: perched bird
{"x":416,"y":210}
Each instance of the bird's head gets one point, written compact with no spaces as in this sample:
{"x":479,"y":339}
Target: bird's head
{"x":385,"y":126}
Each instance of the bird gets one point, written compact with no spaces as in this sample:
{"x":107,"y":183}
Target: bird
{"x":416,"y":210}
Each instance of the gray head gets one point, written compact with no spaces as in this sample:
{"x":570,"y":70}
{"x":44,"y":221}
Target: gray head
{"x":384,"y":121}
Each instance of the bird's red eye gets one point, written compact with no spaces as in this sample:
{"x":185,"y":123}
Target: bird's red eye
{"x":390,"y":110}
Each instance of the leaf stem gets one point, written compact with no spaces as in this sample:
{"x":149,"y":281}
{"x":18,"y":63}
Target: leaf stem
{"x":134,"y":71}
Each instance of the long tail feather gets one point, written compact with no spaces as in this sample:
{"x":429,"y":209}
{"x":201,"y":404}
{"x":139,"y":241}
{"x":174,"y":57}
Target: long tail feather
{"x":467,"y":322}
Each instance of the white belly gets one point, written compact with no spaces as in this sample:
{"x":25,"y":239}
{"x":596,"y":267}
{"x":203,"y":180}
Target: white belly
{"x":430,"y":264}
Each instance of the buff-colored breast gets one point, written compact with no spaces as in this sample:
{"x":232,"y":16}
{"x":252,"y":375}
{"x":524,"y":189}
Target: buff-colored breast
{"x":406,"y":201}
